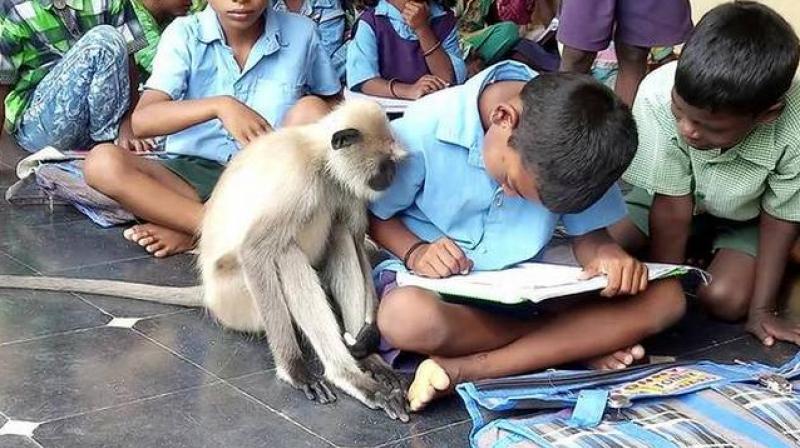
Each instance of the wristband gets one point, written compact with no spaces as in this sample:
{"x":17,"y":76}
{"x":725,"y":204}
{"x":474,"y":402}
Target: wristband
{"x":410,"y":251}
{"x":434,"y":48}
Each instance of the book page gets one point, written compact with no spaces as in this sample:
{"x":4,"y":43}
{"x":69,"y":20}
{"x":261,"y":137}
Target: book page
{"x":528,"y":281}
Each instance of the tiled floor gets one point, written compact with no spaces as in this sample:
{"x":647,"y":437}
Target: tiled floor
{"x":89,"y":371}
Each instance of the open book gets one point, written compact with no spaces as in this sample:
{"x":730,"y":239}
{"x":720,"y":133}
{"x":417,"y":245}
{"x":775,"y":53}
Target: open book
{"x":534,"y":282}
{"x":389,"y":105}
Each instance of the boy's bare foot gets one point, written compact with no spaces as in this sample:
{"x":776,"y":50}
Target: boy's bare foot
{"x":159,"y":241}
{"x":617,"y":360}
{"x":430,"y":382}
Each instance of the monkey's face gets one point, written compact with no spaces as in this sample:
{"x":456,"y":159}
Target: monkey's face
{"x":365,"y":154}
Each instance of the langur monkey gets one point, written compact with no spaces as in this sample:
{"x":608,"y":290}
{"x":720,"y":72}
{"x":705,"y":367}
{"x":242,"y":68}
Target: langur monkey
{"x":286,"y":223}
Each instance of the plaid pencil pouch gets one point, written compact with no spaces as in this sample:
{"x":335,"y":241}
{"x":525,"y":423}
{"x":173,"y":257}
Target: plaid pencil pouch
{"x":682,"y":404}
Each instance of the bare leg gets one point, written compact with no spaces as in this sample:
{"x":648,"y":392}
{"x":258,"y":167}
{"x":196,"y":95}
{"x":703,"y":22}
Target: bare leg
{"x":577,"y":61}
{"x":494,"y":346}
{"x":151,"y":192}
{"x":728,"y":296}
{"x":307,"y":110}
{"x":632,"y":68}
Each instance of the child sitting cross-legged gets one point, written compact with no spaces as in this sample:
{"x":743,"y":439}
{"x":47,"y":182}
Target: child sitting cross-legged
{"x":404,"y":49}
{"x":220,"y":79}
{"x":493,"y":166}
{"x":719,"y":156}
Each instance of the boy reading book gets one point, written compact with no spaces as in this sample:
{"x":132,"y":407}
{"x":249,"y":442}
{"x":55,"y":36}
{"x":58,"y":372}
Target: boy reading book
{"x":493,"y":166}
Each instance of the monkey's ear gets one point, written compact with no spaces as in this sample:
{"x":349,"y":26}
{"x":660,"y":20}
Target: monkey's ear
{"x":346,"y":137}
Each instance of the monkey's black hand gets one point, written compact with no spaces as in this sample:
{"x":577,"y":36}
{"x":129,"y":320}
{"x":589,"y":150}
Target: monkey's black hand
{"x":394,"y":403}
{"x":366,"y":342}
{"x":383,"y":372}
{"x":318,"y":390}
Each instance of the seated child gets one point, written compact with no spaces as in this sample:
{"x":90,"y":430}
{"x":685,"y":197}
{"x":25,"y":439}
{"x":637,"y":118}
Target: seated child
{"x":331,"y":21}
{"x":404,"y":49}
{"x":65,"y":75}
{"x":154,"y":16}
{"x":493,"y":166}
{"x":719,"y":147}
{"x":588,"y":26}
{"x":221,"y":78}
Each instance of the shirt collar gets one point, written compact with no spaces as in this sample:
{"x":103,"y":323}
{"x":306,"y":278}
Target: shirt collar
{"x":211,"y":30}
{"x":74,"y":4}
{"x":384,"y":8}
{"x":465,"y":128}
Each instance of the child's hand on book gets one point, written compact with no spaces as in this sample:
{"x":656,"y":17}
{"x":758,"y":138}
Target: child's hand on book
{"x":440,"y":259}
{"x":626,"y":275}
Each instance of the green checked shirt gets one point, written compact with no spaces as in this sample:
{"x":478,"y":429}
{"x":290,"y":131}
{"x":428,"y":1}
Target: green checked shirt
{"x":35,"y":35}
{"x":760,"y":173}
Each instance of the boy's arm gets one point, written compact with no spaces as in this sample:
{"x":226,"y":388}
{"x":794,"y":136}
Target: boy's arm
{"x":127,"y":138}
{"x":599,"y":254}
{"x":774,"y":242}
{"x":157,"y":114}
{"x":670,"y":221}
{"x":439,"y":259}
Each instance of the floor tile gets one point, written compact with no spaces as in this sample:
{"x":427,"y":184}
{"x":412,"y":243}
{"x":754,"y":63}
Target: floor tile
{"x":346,"y":422}
{"x":9,"y":266}
{"x":17,"y":442}
{"x":57,"y":247}
{"x":77,"y":372}
{"x":200,"y":339}
{"x":453,"y":436}
{"x":26,"y":314}
{"x":36,"y":214}
{"x":694,"y":332}
{"x":748,"y":348}
{"x":3,"y":420}
{"x":172,"y":271}
{"x":212,"y":417}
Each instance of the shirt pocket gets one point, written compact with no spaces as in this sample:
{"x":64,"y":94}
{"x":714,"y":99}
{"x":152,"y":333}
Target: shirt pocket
{"x":273,"y":98}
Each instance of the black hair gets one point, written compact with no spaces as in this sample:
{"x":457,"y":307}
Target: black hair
{"x":740,"y":59}
{"x":575,"y":136}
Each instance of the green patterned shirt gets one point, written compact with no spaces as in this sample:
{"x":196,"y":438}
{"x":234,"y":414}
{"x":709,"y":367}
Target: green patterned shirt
{"x":34,"y":36}
{"x":760,"y":173}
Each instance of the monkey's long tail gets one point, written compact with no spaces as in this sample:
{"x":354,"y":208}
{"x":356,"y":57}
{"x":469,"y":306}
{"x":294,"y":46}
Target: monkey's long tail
{"x":190,"y":296}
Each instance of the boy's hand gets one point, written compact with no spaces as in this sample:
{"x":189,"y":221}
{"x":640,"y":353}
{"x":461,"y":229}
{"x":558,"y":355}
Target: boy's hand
{"x":416,"y":13}
{"x":626,"y":275}
{"x":439,"y":259}
{"x":243,"y":123}
{"x":127,"y":141}
{"x":425,"y":84}
{"x":768,"y":328}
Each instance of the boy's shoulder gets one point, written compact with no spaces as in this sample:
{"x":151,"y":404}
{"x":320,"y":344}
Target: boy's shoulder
{"x":656,"y":88}
{"x":789,"y":121}
{"x":294,"y":21}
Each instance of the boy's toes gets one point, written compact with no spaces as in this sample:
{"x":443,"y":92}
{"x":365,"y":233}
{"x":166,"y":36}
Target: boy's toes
{"x":153,"y":248}
{"x":146,"y":241}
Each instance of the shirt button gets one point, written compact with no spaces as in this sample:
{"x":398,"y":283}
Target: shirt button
{"x":498,"y":201}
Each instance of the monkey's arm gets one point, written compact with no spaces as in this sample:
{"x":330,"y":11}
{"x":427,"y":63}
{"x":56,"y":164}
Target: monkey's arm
{"x":4,"y":89}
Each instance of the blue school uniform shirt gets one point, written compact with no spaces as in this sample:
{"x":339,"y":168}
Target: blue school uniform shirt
{"x":443,"y":189}
{"x":193,"y":61}
{"x":362,"y":50}
{"x":330,"y":19}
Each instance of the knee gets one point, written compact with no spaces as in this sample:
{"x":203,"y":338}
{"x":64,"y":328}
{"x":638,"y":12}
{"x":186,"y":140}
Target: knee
{"x":307,"y":110}
{"x":104,"y":167}
{"x":408,"y":320}
{"x":630,"y":55}
{"x":725,"y":300}
{"x":106,"y":39}
{"x":574,"y":60}
{"x":666,"y":304}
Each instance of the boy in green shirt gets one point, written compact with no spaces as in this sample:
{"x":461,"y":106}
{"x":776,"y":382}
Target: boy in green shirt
{"x":154,"y":16}
{"x":719,"y":145}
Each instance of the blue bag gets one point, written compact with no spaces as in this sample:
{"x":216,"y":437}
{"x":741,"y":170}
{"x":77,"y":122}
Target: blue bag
{"x":680,"y":404}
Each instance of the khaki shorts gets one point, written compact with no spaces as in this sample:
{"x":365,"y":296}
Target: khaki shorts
{"x":740,"y":236}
